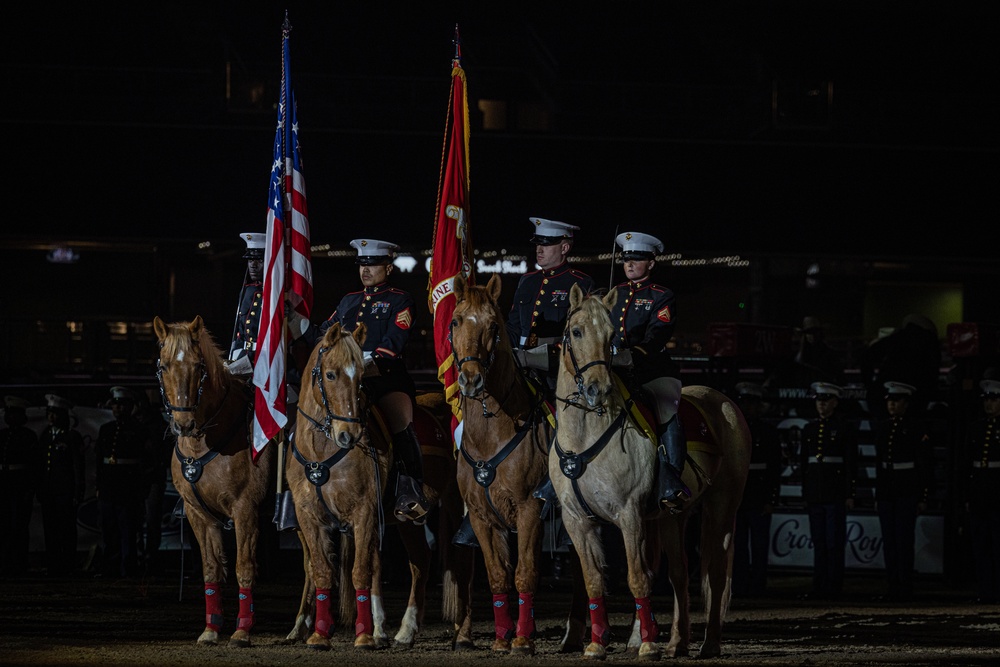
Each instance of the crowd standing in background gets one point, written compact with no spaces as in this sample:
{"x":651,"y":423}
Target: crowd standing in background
{"x":18,"y":480}
{"x":61,"y":486}
{"x":981,"y":491}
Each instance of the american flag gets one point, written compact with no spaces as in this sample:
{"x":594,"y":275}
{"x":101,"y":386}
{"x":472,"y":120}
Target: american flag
{"x":286,"y":251}
{"x":452,"y":241}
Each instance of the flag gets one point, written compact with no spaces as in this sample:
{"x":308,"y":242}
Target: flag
{"x":452,"y":242}
{"x":287,"y":260}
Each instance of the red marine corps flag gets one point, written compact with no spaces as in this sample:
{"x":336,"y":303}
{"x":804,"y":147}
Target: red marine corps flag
{"x":286,"y":254}
{"x":452,"y":242}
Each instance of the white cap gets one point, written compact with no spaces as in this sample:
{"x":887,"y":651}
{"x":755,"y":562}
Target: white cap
{"x":371,"y":251}
{"x":898,"y":389}
{"x":990,"y":387}
{"x":255,"y":244}
{"x":636,"y":245}
{"x":54,"y":401}
{"x":15,"y":402}
{"x":120,"y":394}
{"x":825,"y":389}
{"x":551,"y":232}
{"x":749,"y":389}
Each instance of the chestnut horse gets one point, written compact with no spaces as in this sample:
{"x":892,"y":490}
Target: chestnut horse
{"x":338,"y":467}
{"x":603,"y":466}
{"x":504,"y":444}
{"x":221,"y":485}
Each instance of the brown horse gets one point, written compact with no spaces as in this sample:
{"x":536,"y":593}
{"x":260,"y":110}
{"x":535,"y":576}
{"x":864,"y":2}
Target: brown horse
{"x":506,"y":432}
{"x":603,"y":465}
{"x":338,"y":468}
{"x":213,"y":470}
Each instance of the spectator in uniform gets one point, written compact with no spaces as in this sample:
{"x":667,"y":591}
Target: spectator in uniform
{"x":162,"y":440}
{"x":753,"y":519}
{"x":18,"y":478}
{"x":643,"y":317}
{"x":244,"y":344}
{"x":387,"y":311}
{"x":123,"y":452}
{"x":903,"y":473}
{"x":62,"y":485}
{"x":983,"y":494}
{"x":829,"y":475}
{"x":541,"y":301}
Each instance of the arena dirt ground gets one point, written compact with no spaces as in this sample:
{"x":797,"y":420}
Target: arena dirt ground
{"x":155,"y":620}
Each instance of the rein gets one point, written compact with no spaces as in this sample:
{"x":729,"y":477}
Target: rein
{"x":327,"y":423}
{"x":578,"y":371}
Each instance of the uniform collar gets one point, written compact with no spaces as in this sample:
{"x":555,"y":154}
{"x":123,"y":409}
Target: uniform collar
{"x":635,"y":285}
{"x":381,"y":287}
{"x":548,"y":273}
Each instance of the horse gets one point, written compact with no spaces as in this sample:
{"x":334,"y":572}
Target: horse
{"x":214,"y":470}
{"x":338,"y":469}
{"x":506,"y":431}
{"x":603,"y":466}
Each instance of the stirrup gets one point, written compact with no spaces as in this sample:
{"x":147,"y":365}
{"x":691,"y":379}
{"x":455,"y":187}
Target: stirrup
{"x":465,"y":536}
{"x":676,"y":502}
{"x":410,"y":502}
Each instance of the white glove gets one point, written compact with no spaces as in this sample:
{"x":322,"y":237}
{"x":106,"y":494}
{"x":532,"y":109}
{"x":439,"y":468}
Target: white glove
{"x":622,"y":358}
{"x":297,"y":325}
{"x":371,"y":368}
{"x":536,"y":357}
{"x":241,"y":366}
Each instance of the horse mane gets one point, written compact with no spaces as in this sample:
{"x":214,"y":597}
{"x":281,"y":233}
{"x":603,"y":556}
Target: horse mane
{"x":181,"y":339}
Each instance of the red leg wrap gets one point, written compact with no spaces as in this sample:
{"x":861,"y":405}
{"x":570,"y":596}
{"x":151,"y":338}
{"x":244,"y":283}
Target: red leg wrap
{"x":600,"y":631}
{"x":213,"y":606}
{"x":364,"y":625}
{"x":245,"y":620}
{"x":648,"y":629}
{"x":501,"y":618}
{"x":324,"y":620}
{"x":526,"y":615}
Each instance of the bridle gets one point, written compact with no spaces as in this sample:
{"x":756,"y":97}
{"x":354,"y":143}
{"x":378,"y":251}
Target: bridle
{"x":163,"y":392}
{"x":578,"y":371}
{"x":327,"y":423}
{"x":486,"y":364}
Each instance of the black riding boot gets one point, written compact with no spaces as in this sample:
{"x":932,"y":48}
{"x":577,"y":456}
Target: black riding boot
{"x":410,"y":501}
{"x":671,"y":454}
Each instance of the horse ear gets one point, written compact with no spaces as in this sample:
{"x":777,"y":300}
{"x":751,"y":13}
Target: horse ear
{"x":160,"y":328}
{"x":575,"y":296}
{"x":459,"y":287}
{"x":196,"y":327}
{"x":493,"y":287}
{"x":360,"y":333}
{"x":611,"y":298}
{"x":332,"y":334}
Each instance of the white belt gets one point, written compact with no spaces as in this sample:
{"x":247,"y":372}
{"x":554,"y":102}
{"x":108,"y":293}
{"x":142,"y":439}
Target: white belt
{"x":122,"y":462}
{"x":986,"y":464}
{"x":758,"y":466}
{"x":905,"y":465}
{"x":826,"y":459}
{"x":17,"y":466}
{"x":546,"y":340}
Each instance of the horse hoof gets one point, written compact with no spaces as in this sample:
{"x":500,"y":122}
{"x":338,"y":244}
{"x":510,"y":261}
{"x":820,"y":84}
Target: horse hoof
{"x":365,"y":642}
{"x":595,"y":651}
{"x":318,"y":642}
{"x":500,"y":646}
{"x":463,"y":645}
{"x":710,"y":651}
{"x":649,"y":651}
{"x":674,"y":651}
{"x":522,"y":646}
{"x":209,"y":638}
{"x":240,"y":639}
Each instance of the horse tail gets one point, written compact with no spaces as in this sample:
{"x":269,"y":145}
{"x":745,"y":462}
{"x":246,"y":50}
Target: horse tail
{"x":348,"y":596}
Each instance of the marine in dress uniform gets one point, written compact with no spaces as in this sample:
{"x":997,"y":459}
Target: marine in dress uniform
{"x":123,"y":453}
{"x":541,"y":300}
{"x":829,"y":476}
{"x":644,"y":318}
{"x":903,"y":473}
{"x":983,"y":494}
{"x":244,"y":343}
{"x":18,"y":478}
{"x":387,"y":312}
{"x":763,"y":487}
{"x":62,"y":485}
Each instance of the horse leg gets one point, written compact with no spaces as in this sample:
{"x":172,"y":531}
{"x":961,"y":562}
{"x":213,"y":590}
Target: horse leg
{"x":576,"y":622}
{"x":307,"y":604}
{"x":314,"y":535}
{"x":457,"y":567}
{"x":247,"y":533}
{"x":213,"y":569}
{"x":590,"y":551}
{"x":419,"y":556}
{"x":378,"y":608}
{"x":496,"y":556}
{"x":716,"y":574}
{"x":640,"y":581}
{"x":672,"y":538}
{"x":366,"y":556}
{"x":529,"y":548}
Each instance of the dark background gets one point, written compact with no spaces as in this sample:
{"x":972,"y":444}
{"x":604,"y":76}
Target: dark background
{"x":711,"y":124}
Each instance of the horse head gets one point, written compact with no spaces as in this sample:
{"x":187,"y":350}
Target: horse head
{"x":332,"y":403}
{"x":586,"y":347}
{"x":189,"y":363}
{"x":477,"y":333}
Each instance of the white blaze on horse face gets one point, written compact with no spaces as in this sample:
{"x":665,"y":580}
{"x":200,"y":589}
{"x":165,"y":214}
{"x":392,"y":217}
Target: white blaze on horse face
{"x":472,"y":318}
{"x":350,"y":371}
{"x":180,"y":356}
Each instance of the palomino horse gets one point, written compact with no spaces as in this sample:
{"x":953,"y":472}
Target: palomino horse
{"x":338,"y":468}
{"x":214,"y":472}
{"x":603,"y":468}
{"x":505,"y":438}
